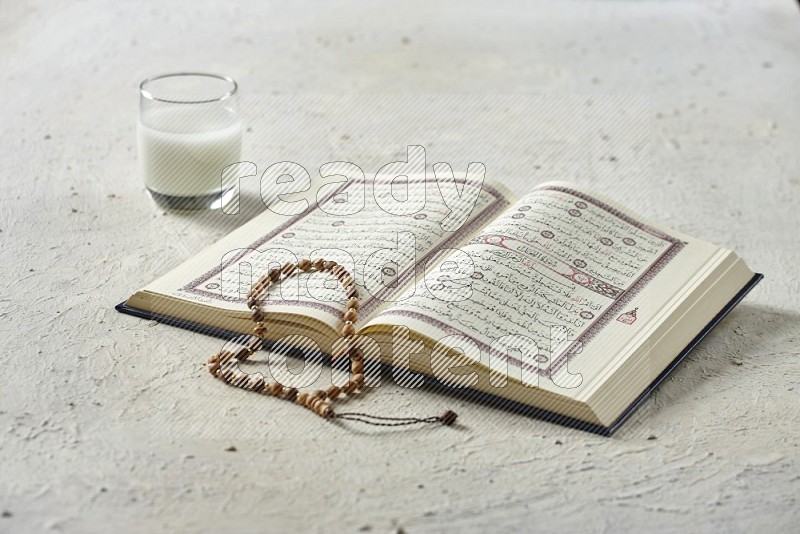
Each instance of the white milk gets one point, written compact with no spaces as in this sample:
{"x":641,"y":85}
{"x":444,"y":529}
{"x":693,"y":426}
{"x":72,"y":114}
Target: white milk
{"x":183,"y":151}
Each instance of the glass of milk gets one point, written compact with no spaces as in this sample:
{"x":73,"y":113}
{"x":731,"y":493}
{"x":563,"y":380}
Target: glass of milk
{"x":189,"y":131}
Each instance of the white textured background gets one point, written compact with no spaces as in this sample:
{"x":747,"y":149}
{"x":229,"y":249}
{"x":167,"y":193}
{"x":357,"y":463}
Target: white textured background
{"x":109,"y":423}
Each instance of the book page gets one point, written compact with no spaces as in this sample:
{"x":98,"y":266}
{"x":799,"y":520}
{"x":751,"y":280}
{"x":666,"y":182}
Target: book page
{"x":555,"y":272}
{"x":383,"y":248}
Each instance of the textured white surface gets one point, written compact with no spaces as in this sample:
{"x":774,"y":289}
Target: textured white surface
{"x":108,"y":422}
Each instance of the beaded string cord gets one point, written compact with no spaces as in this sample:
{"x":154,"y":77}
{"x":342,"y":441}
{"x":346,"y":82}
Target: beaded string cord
{"x":224,"y":364}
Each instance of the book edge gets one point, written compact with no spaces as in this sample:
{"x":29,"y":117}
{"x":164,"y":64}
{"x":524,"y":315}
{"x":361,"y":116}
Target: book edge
{"x":494,"y":400}
{"x":740,"y":295}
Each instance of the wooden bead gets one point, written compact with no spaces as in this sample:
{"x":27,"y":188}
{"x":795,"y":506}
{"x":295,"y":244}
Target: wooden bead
{"x":248,"y":343}
{"x":230,"y":367}
{"x":260,"y":329}
{"x":228,"y":375}
{"x":448,"y":418}
{"x":257,"y":384}
{"x":257,"y":289}
{"x":224,"y":365}
{"x":242,"y":354}
{"x":348,"y":329}
{"x":265,"y":283}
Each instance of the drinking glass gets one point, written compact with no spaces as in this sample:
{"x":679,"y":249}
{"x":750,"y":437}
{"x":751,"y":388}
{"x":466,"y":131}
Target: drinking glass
{"x":189,"y":131}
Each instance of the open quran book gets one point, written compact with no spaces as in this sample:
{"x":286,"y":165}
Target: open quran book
{"x":562,"y":300}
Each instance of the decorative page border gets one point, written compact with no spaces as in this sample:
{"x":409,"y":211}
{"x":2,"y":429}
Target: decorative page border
{"x":372,"y":302}
{"x":603,"y":319}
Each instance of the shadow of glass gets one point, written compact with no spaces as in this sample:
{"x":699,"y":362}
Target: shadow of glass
{"x":225,"y":220}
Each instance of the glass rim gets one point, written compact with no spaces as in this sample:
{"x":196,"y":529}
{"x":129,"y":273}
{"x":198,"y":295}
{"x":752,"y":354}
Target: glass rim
{"x":150,"y":96}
